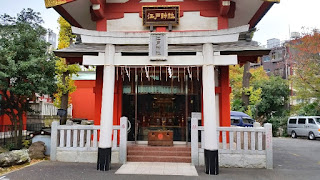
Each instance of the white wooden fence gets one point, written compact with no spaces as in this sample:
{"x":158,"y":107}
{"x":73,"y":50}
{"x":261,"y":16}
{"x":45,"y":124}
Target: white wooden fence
{"x":48,"y":109}
{"x":84,"y":138}
{"x":249,"y":142}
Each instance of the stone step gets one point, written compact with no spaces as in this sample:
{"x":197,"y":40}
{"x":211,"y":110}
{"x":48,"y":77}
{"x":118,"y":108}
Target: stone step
{"x":137,"y":158}
{"x":157,"y":148}
{"x":160,"y":153}
{"x":179,"y":154}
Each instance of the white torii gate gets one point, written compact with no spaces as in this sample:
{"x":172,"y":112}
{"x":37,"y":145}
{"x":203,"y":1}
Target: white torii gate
{"x":208,"y":60}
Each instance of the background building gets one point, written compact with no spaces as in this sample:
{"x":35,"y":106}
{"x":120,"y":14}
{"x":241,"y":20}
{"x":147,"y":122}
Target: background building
{"x":272,"y":43}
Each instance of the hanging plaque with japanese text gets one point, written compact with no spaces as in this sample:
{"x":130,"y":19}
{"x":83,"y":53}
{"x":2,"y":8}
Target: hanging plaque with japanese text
{"x":158,"y":47}
{"x":160,"y":15}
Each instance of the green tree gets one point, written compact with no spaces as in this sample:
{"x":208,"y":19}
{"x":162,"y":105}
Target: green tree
{"x":253,"y":94}
{"x":26,"y":67}
{"x":267,"y":96}
{"x":274,"y":97}
{"x":308,"y":109}
{"x":306,"y":77}
{"x":64,"y":71}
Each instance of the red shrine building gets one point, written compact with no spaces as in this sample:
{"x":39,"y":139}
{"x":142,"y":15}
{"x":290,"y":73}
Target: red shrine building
{"x":159,"y":62}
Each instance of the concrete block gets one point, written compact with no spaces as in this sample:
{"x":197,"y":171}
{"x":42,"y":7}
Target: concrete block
{"x":84,"y":156}
{"x":254,"y":161}
{"x":115,"y":157}
{"x":201,"y":159}
{"x":242,"y":161}
{"x":88,"y":157}
{"x":67,"y":156}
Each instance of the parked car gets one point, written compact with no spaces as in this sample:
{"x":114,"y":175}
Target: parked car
{"x":307,"y":126}
{"x":241,"y":119}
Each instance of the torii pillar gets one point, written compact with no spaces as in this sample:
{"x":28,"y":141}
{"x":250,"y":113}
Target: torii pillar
{"x":104,"y":150}
{"x":210,"y":60}
{"x":209,"y":103}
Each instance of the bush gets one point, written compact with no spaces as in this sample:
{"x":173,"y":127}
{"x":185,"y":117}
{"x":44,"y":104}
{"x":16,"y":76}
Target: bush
{"x":312,"y":109}
{"x":26,"y":143}
{"x":9,"y":146}
{"x":279,"y":125}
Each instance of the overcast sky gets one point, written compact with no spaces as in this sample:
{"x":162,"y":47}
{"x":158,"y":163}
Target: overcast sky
{"x":289,"y":15}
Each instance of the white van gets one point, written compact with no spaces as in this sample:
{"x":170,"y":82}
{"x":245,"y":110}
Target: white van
{"x":308,"y":126}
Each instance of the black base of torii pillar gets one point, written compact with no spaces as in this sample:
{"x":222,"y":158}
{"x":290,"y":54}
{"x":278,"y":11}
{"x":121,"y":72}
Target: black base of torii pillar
{"x":104,"y":159}
{"x":211,"y":160}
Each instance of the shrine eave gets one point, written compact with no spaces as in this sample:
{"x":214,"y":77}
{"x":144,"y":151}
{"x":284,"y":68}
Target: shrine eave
{"x":78,"y":12}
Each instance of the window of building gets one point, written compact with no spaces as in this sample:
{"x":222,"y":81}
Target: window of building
{"x":266,"y":58}
{"x":273,"y":56}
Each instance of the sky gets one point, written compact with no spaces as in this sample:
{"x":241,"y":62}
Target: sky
{"x":283,"y":18}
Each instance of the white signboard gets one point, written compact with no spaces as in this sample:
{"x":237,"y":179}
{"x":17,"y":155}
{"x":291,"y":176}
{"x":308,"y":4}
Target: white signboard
{"x":158,"y":47}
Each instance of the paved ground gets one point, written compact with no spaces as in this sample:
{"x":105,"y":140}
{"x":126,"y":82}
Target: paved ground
{"x":160,"y":168}
{"x":293,"y":159}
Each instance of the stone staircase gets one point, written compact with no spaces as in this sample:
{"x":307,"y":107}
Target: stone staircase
{"x":143,"y":153}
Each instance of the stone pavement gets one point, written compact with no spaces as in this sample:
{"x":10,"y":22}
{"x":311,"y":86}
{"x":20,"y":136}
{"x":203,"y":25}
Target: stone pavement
{"x":159,"y":168}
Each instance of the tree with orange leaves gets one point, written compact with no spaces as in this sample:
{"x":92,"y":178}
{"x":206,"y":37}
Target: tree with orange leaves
{"x":305,"y":53}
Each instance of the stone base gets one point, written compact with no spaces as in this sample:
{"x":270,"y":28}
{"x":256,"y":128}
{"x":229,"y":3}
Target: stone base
{"x":211,"y":160}
{"x":227,"y":160}
{"x":104,"y":159}
{"x":84,"y":156}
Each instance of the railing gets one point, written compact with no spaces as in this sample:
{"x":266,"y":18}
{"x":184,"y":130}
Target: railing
{"x":45,"y":108}
{"x":236,"y":140}
{"x":7,"y":132}
{"x":84,"y":138}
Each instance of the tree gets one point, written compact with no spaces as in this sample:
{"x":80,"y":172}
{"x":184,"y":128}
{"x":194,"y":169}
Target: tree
{"x":26,"y":67}
{"x":274,"y":97}
{"x":64,"y":71}
{"x":306,"y":64}
{"x":245,"y":96}
{"x":238,"y":91}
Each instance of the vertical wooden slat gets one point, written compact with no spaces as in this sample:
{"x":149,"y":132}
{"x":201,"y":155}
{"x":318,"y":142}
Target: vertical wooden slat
{"x":238,"y":141}
{"x":81,"y":138}
{"x":95,"y":138}
{"x":75,"y":138}
{"x":68,"y":138}
{"x":88,"y":142}
{"x":253,"y":140}
{"x":260,"y":141}
{"x":202,"y":139}
{"x":61,"y":138}
{"x":115,"y":136}
{"x":224,"y":140}
{"x":245,"y":139}
{"x":231,"y":140}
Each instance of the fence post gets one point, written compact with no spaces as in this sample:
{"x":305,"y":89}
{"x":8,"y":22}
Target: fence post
{"x":42,"y":108}
{"x":123,"y":140}
{"x":54,"y":139}
{"x":269,"y":151}
{"x":194,"y":142}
